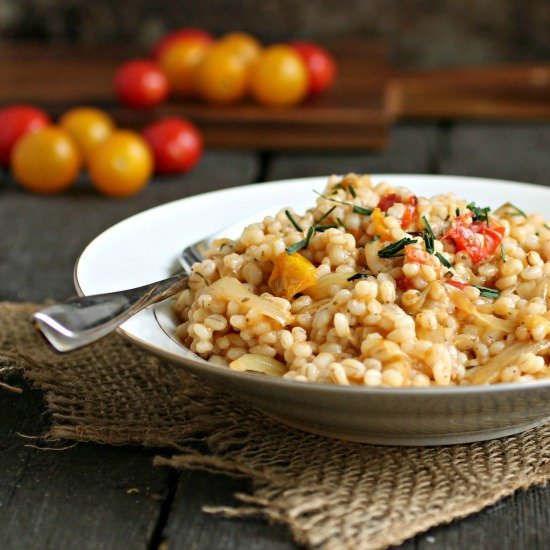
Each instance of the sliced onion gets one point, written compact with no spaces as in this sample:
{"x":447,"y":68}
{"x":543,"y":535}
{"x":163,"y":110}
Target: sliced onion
{"x":229,"y":288}
{"x":510,"y":355}
{"x":321,"y":289}
{"x":461,"y":301}
{"x":258,"y":363}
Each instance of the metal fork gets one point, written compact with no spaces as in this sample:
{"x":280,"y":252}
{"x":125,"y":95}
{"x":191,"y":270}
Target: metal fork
{"x":83,"y":320}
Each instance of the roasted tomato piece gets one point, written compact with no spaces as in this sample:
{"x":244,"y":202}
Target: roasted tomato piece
{"x":291,"y":274}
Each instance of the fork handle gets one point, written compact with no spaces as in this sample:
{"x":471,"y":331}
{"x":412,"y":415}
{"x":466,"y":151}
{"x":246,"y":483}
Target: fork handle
{"x":80,"y":321}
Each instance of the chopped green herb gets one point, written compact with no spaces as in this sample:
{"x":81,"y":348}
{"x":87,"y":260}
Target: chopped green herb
{"x":338,"y":186}
{"x":457,"y":212}
{"x":352,"y":191}
{"x":362,"y":275}
{"x":223,"y":245}
{"x":374,"y":239}
{"x":502,"y":253}
{"x":309,"y":234}
{"x":321,"y":228}
{"x":341,"y":222}
{"x":428,"y":235}
{"x":479,"y":214}
{"x":547,"y":226}
{"x":356,"y":209}
{"x":362,"y":211}
{"x":245,"y":299}
{"x":518,"y":211}
{"x":324,"y":216}
{"x":293,"y":221}
{"x":443,"y":260}
{"x":296,"y":246}
{"x":486,"y":292}
{"x":391,"y":251}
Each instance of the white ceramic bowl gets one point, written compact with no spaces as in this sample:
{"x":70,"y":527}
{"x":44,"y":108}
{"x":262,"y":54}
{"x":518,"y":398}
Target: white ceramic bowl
{"x":144,"y":248}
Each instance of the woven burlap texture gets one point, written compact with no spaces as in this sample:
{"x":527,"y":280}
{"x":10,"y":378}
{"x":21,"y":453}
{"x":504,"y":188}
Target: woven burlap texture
{"x":331,"y":494}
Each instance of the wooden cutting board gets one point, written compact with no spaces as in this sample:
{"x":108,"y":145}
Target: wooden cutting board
{"x":356,"y":113}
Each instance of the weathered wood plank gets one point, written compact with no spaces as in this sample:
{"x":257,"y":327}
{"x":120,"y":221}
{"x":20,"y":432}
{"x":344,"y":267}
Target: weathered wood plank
{"x":89,"y":497}
{"x":413,"y":149}
{"x":509,"y":151}
{"x":520,"y":521}
{"x":42,"y":236}
{"x":189,"y":527}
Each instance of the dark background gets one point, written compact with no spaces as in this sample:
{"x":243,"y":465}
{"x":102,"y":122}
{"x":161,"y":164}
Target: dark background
{"x":428,"y":33}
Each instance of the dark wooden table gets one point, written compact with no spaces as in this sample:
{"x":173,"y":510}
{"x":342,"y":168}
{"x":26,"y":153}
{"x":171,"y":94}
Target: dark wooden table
{"x":85,"y":497}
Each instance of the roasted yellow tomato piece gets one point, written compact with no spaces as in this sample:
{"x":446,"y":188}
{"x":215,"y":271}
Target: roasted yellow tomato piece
{"x":377,"y":217}
{"x":291,"y":274}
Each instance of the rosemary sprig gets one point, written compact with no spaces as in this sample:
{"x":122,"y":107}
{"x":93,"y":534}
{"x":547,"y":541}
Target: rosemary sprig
{"x":324,"y":216}
{"x":362,"y":275}
{"x":374,"y":239}
{"x":457,"y":212}
{"x":428,"y":236}
{"x":304,"y":243}
{"x":479,"y":214}
{"x":443,"y":260}
{"x":361,"y":210}
{"x":355,"y":208}
{"x":547,"y":226}
{"x":502,"y":253}
{"x":293,"y":221}
{"x":296,"y":246}
{"x":392,"y":250}
{"x":322,"y":228}
{"x":486,"y":292}
{"x":352,"y":191}
{"x":341,"y":222}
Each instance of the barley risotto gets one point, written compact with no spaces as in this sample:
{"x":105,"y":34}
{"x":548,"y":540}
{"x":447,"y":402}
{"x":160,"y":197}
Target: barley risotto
{"x":375,"y":286}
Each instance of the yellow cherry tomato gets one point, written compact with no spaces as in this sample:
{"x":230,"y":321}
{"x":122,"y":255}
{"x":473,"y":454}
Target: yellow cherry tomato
{"x":179,"y":62}
{"x":222,"y":77}
{"x":280,"y":77}
{"x":46,"y":161}
{"x":244,"y":45}
{"x":291,"y":274}
{"x":88,"y":126}
{"x":121,"y":165}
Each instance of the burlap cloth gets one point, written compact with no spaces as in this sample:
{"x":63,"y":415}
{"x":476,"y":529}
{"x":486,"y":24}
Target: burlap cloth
{"x":330,"y":494}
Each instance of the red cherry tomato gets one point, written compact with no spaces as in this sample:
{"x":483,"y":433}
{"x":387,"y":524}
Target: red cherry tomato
{"x":176,"y":144}
{"x":387,"y":201}
{"x":456,"y":284}
{"x":404,"y":284}
{"x":466,"y":237}
{"x":15,"y":121}
{"x":140,"y":83}
{"x":320,"y":65}
{"x":415,"y":255}
{"x":198,"y":35}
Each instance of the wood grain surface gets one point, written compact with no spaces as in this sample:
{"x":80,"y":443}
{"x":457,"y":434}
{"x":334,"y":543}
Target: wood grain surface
{"x":351,"y":115}
{"x":94,"y":496}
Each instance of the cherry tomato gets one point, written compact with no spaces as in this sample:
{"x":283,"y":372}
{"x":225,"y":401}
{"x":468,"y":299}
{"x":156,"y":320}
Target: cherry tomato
{"x":415,"y":255}
{"x":199,"y":35}
{"x":121,"y":165}
{"x":176,"y":145}
{"x":279,"y":78}
{"x":46,"y":161}
{"x":88,"y":126}
{"x":467,"y":237}
{"x":222,"y":77}
{"x":244,"y":45}
{"x":404,"y":284}
{"x":140,"y":83}
{"x":387,"y":201}
{"x":179,"y":62}
{"x":15,"y":121}
{"x":320,"y":65}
